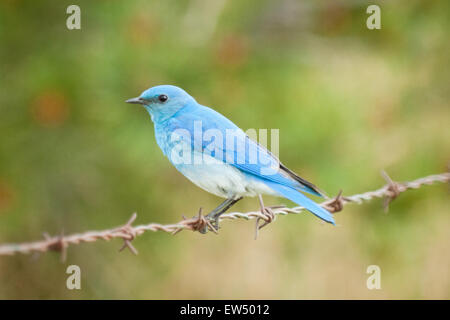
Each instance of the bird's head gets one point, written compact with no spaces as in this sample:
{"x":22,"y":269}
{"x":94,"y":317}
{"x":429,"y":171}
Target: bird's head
{"x":163,"y":101}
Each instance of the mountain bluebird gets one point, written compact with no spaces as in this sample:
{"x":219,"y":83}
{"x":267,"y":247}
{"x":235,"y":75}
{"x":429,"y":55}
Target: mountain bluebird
{"x":216,"y":155}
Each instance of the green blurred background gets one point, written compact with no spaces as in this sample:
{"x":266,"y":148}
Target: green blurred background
{"x":348,"y":102}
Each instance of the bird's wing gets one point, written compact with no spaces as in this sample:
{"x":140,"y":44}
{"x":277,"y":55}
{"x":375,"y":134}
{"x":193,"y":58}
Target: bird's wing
{"x":224,"y":141}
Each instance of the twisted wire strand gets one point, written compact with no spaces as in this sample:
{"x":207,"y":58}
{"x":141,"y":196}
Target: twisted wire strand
{"x":128,"y":233}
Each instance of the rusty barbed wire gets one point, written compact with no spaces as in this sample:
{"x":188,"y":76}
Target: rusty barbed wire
{"x":128,"y":233}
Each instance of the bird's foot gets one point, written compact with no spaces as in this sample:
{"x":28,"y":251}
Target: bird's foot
{"x":199,"y":223}
{"x":212,"y":223}
{"x":268,"y":216}
{"x":212,"y":219}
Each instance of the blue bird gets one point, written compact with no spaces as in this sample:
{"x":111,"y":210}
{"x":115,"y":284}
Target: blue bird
{"x":216,"y":155}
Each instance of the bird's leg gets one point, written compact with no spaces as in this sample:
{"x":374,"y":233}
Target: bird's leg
{"x":267,"y":212}
{"x":215,"y":214}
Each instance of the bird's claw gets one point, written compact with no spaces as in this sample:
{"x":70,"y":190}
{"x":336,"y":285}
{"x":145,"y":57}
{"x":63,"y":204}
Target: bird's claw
{"x":269,"y":216}
{"x":212,"y":223}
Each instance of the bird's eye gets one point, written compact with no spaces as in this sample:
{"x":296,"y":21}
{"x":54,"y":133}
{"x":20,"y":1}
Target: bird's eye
{"x":163,"y":98}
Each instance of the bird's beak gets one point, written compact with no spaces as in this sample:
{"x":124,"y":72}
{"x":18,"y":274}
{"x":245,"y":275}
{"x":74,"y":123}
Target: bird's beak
{"x":137,"y":100}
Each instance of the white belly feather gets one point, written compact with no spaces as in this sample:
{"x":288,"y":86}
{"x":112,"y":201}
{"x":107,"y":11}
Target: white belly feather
{"x":222,"y":179}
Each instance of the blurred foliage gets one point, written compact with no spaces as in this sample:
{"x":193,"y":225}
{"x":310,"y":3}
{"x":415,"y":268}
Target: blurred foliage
{"x":348,"y":102}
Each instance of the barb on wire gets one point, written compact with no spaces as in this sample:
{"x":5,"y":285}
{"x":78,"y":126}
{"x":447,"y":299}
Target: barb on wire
{"x":128,"y":229}
{"x":198,"y":223}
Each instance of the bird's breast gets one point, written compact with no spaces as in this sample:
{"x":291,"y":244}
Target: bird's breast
{"x":220,"y":178}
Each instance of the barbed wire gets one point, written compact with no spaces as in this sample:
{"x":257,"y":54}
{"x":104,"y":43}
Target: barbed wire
{"x":128,"y":233}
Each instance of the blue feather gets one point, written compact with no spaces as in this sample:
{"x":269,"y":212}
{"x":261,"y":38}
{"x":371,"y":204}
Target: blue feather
{"x":301,"y":200}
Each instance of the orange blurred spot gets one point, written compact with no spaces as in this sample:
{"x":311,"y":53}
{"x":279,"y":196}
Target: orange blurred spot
{"x":50,"y":109}
{"x":142,"y":29}
{"x":334,"y":17}
{"x":6,"y":196}
{"x":232,"y":51}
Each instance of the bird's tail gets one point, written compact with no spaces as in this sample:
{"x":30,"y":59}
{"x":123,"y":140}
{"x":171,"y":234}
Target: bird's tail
{"x":301,"y":200}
